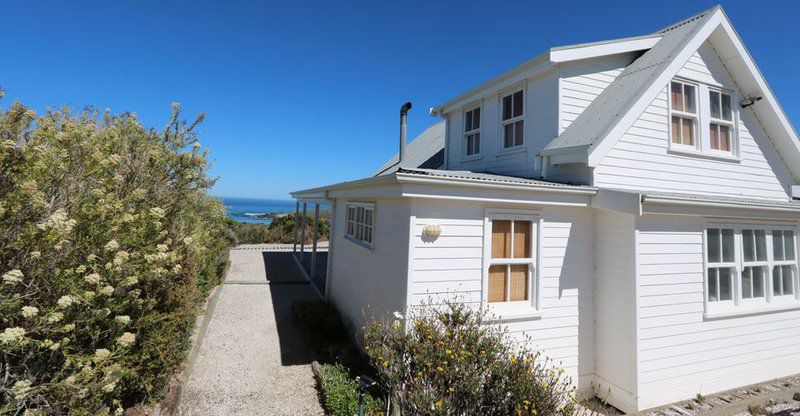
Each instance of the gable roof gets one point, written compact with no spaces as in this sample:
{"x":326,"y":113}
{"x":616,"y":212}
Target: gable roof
{"x":425,"y":151}
{"x":592,"y":134}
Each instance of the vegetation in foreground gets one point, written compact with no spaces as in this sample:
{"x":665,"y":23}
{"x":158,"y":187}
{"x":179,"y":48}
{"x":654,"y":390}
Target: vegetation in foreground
{"x":108,"y":242}
{"x":280,"y":230}
{"x":447,"y":361}
{"x":340,"y":361}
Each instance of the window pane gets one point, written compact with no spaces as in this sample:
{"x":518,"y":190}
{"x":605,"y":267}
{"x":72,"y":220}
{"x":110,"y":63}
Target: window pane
{"x":468,"y":121}
{"x":714,"y":99}
{"x":688,"y":95}
{"x":761,"y":245}
{"x":714,"y":253}
{"x":725,"y":291}
{"x":714,"y":130}
{"x":477,"y":144}
{"x":776,"y":281}
{"x":476,"y":118}
{"x":758,"y":282}
{"x":777,"y":245}
{"x":727,"y":114}
{"x":522,"y":239}
{"x":519,"y":282}
{"x":713,"y":286}
{"x":368,"y":234}
{"x":786,"y":271}
{"x":506,"y":107}
{"x":518,"y":104}
{"x":501,"y":239}
{"x":508,"y":135}
{"x":687,"y":131}
{"x":676,"y":130}
{"x":748,"y":246}
{"x":788,"y":244}
{"x":497,"y":283}
{"x":724,"y":138}
{"x":727,"y":245}
{"x":677,"y":96}
{"x":747,"y":282}
{"x":368,"y":217}
{"x":518,"y":133}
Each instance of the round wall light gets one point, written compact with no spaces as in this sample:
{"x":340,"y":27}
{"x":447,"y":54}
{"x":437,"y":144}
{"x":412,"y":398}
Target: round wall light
{"x":432,"y":231}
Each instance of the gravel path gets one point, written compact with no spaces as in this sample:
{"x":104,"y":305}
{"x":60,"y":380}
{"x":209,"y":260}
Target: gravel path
{"x":252,"y":360}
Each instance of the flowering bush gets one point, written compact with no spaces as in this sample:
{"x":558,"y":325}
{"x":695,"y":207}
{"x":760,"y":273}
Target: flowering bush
{"x":449,"y":362}
{"x":108,"y":240}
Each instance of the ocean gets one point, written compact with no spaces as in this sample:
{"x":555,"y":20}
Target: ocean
{"x":245,"y":209}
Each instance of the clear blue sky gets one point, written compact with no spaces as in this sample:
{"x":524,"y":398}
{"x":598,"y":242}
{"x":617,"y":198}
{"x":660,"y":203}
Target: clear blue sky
{"x":300,"y":94}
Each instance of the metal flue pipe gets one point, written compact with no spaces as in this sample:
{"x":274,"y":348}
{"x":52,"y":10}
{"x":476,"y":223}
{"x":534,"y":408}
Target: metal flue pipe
{"x":403,"y":115}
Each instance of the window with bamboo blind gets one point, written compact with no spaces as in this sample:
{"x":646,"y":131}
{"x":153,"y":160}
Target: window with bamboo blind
{"x":511,"y":264}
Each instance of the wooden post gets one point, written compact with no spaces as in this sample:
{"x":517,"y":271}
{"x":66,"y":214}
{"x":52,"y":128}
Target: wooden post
{"x":296,"y":228}
{"x":303,"y":237}
{"x":314,"y":244}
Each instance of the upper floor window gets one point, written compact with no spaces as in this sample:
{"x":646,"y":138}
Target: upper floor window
{"x":511,"y":263}
{"x":360,"y":222}
{"x":683,"y":111}
{"x":721,"y":124}
{"x":513,"y":123}
{"x":472,"y":132}
{"x":702,"y":119}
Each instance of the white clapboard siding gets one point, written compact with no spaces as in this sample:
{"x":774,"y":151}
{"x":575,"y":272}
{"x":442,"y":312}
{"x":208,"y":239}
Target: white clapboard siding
{"x":641,"y":160}
{"x":615,"y":307}
{"x":368,"y":283}
{"x":682,"y":354}
{"x":442,"y":269}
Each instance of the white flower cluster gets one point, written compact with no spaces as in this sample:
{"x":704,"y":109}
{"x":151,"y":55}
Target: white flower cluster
{"x":157,"y":212}
{"x":112,"y":245}
{"x":108,"y":290}
{"x":9,"y":144}
{"x":13,"y":277}
{"x":65,"y":301}
{"x":122,"y":319}
{"x":55,"y":317}
{"x":130,"y":281}
{"x":113,"y":159}
{"x":93,"y":278}
{"x":59,"y":221}
{"x":101,"y":354}
{"x":20,"y":389}
{"x":12,"y":335}
{"x":29,"y":311}
{"x":126,"y":339}
{"x":121,"y":257}
{"x":188,"y":241}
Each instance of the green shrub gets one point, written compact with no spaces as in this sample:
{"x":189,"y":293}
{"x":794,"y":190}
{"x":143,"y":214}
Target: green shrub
{"x":340,"y":393}
{"x":280,"y":230}
{"x":449,"y":362}
{"x":108,"y":242}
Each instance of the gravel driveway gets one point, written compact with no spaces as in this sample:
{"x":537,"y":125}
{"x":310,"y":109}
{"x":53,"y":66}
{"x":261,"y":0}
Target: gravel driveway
{"x":252,"y":360}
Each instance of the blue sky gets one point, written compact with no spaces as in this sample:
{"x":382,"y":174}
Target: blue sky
{"x":299,"y":94}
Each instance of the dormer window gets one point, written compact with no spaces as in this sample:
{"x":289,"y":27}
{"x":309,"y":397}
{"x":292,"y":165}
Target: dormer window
{"x":683,"y":109}
{"x":513,"y":123}
{"x":472,"y":132}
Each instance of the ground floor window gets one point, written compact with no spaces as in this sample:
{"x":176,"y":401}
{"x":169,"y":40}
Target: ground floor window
{"x":748,"y":263}
{"x":360,"y":222}
{"x":510,"y":259}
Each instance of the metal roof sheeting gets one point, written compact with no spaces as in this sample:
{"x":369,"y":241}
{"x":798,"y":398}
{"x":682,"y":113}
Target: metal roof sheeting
{"x":488,"y":177}
{"x":602,"y":115}
{"x":425,"y":151}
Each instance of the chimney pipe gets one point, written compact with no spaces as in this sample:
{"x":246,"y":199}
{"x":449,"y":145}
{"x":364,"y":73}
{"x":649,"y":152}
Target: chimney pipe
{"x":403,"y":114}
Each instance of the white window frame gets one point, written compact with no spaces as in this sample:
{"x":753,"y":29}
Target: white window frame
{"x":356,"y":227}
{"x":764,"y":264}
{"x":513,"y":309}
{"x":731,"y":124}
{"x":501,"y":134}
{"x":720,"y":265}
{"x":684,"y":114}
{"x":473,"y":132}
{"x":740,"y":305}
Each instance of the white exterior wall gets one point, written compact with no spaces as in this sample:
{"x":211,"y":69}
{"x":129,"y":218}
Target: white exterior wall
{"x":682,"y":354}
{"x":540,"y":111}
{"x":368,"y":283}
{"x":641,"y":159}
{"x":451,"y":266}
{"x":615,"y":309}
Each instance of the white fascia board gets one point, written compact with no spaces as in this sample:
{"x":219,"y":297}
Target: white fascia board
{"x":607,"y":142}
{"x":567,"y":54}
{"x":472,"y":183}
{"x":371,"y":181}
{"x":658,"y":200}
{"x":528,"y":69}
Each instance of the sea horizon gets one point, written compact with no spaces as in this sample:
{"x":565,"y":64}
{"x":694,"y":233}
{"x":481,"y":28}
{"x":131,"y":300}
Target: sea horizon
{"x":249,"y":210}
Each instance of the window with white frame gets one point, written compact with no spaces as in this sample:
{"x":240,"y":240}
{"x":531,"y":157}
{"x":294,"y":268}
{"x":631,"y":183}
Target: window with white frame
{"x":721,"y":125}
{"x":741,"y":258}
{"x":472,"y":132}
{"x":360,"y":222}
{"x":683,"y":112}
{"x":511,"y":264}
{"x":513,"y":124}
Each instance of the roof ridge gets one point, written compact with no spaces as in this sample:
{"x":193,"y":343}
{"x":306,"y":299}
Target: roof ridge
{"x":688,"y":20}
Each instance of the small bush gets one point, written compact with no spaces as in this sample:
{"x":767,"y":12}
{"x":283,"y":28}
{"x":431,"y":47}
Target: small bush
{"x":340,"y":393}
{"x":448,"y":362}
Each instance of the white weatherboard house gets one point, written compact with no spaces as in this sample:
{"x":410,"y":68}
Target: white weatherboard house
{"x":629,"y":204}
